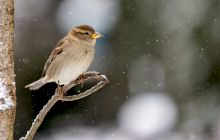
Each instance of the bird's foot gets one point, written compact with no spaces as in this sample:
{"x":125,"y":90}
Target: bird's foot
{"x":81,"y":79}
{"x":60,"y":91}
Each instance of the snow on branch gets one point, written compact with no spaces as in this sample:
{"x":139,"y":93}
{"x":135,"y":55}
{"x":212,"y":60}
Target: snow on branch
{"x":5,"y":99}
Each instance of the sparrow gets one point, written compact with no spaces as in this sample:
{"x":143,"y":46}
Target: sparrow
{"x":71,"y":57}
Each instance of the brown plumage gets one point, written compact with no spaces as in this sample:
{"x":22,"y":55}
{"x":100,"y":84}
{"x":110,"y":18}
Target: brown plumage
{"x":71,"y":57}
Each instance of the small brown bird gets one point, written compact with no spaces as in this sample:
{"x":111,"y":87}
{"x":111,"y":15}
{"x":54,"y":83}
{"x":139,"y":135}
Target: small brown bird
{"x":71,"y":57}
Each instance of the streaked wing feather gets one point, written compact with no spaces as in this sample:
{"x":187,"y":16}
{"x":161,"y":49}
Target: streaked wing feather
{"x":58,"y":49}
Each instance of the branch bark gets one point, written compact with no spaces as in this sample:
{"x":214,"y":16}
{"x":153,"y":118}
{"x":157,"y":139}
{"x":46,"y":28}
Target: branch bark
{"x":7,"y":80}
{"x":59,"y":96}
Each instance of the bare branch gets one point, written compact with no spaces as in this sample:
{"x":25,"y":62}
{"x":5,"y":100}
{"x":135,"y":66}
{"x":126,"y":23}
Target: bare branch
{"x":60,"y":96}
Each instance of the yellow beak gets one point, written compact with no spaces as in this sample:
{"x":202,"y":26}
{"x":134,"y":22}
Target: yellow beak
{"x":96,"y":35}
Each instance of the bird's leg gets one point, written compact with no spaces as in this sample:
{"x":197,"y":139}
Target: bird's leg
{"x":85,"y":76}
{"x":81,"y":79}
{"x":60,"y":90}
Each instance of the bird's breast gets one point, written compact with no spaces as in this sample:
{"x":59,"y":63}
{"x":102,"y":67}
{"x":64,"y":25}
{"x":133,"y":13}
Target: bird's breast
{"x":72,"y":62}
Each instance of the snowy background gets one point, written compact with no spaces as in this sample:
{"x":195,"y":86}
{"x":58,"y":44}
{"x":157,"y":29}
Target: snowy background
{"x":162,"y":58}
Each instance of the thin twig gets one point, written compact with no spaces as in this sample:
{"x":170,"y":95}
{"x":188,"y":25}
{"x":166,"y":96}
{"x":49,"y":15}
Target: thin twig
{"x":39,"y":118}
{"x":59,"y":96}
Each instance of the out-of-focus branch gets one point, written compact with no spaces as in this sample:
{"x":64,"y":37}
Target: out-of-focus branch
{"x":7,"y":80}
{"x":60,"y":96}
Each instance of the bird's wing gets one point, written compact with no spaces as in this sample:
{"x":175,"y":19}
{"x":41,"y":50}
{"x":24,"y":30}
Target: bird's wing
{"x":56,"y":51}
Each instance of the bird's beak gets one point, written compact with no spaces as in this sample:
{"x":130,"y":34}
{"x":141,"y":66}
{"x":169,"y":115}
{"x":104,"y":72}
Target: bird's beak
{"x":96,"y":35}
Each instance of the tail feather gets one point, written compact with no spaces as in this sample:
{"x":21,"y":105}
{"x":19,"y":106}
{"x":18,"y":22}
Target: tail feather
{"x":37,"y":84}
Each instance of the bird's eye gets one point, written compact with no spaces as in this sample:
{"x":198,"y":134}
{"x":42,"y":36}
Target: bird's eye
{"x":87,"y":33}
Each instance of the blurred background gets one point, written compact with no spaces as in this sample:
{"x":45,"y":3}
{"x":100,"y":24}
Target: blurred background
{"x":162,"y":58}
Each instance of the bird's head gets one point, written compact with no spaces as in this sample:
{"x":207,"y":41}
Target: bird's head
{"x":85,"y":33}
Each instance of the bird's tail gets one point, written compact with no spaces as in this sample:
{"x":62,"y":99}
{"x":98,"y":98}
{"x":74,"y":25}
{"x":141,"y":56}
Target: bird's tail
{"x":37,"y":84}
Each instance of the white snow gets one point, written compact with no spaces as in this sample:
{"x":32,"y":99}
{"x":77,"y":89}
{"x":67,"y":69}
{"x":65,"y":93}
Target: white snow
{"x":103,"y":76}
{"x":5,"y":99}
